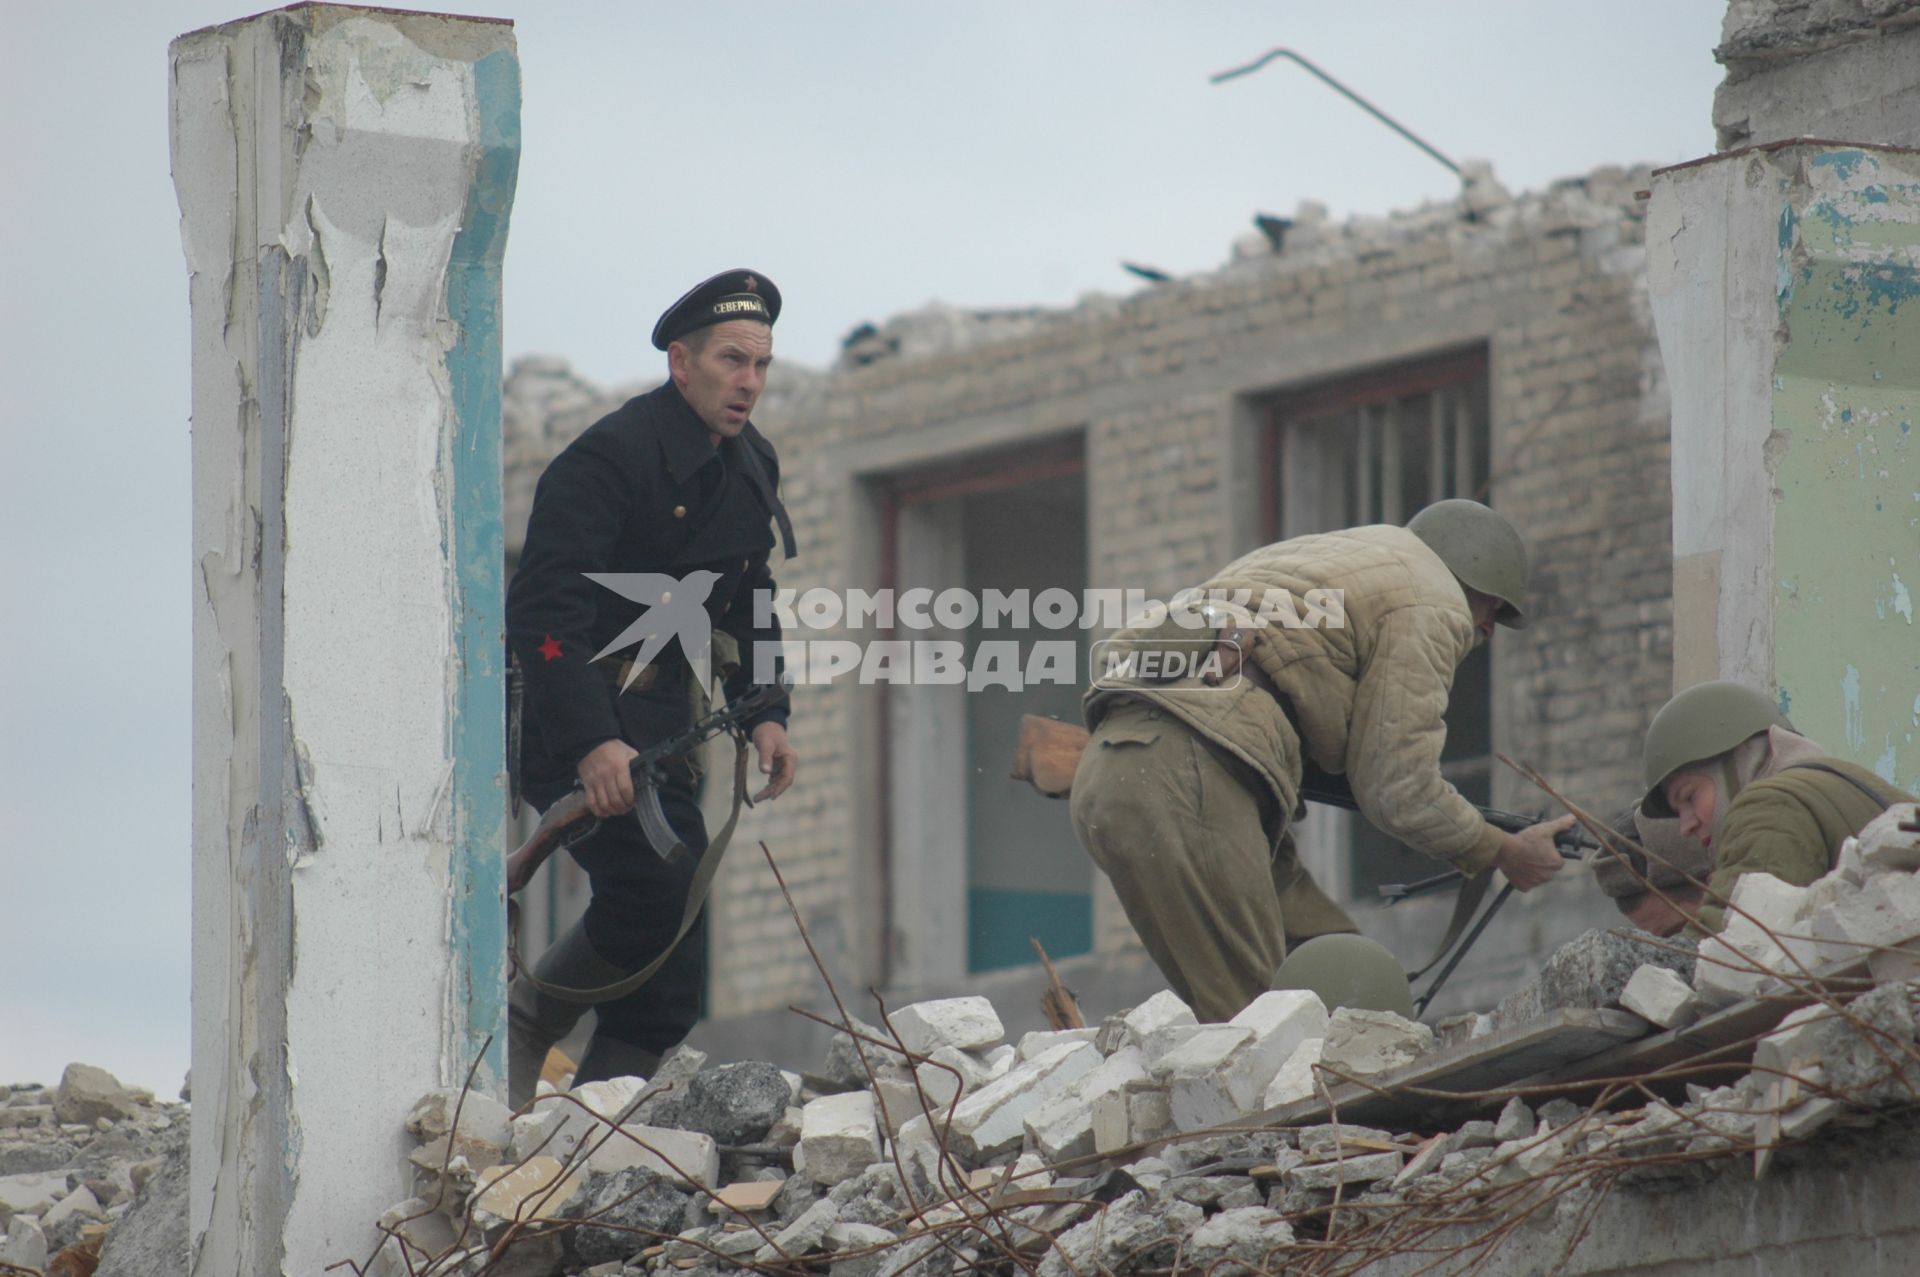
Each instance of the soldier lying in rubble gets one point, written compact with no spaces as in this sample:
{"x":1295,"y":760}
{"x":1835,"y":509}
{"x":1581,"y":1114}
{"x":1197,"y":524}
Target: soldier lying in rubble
{"x":1751,"y":793}
{"x":1188,"y":788}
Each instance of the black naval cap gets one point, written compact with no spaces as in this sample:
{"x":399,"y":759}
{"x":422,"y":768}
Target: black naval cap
{"x":732,"y":294}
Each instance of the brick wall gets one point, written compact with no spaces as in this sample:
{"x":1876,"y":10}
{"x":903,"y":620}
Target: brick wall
{"x":1158,"y":386}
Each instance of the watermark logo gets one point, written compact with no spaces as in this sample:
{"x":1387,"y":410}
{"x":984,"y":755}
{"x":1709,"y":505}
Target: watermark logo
{"x":926,"y":637}
{"x":676,"y":607}
{"x":1118,"y":663}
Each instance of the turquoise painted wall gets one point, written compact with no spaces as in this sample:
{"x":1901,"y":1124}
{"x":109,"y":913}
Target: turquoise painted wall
{"x":479,"y":933}
{"x":1846,"y":462}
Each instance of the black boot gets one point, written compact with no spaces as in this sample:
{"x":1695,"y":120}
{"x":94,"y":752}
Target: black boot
{"x":535,"y":1020}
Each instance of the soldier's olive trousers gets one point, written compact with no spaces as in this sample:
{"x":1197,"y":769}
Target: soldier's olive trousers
{"x":1201,"y":856}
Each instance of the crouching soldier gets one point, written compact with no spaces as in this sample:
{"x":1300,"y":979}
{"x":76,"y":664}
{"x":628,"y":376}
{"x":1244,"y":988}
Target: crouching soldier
{"x":1752,"y":793}
{"x":1189,"y":786}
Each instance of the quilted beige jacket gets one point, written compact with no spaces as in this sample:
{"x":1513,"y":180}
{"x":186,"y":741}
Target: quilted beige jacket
{"x":1368,"y":695}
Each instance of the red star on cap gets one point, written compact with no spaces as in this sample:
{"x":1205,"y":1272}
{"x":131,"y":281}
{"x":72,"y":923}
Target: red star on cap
{"x":752,"y":285}
{"x":550,"y":650}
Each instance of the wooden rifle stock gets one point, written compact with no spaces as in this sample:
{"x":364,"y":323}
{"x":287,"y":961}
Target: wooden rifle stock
{"x":548,"y":837}
{"x":571,"y":812}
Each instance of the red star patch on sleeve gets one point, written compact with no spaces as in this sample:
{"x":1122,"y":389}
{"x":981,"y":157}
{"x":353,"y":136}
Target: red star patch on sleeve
{"x":550,"y":650}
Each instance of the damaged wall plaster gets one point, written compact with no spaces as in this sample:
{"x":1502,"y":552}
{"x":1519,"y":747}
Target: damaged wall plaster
{"x":1786,"y":283}
{"x":345,"y":177}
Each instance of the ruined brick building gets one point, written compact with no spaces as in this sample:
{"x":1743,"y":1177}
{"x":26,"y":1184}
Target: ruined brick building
{"x":1328,"y":374}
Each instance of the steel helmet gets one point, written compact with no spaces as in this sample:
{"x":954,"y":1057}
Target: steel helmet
{"x":1346,"y":970}
{"x":1705,"y":721}
{"x":1482,"y":550}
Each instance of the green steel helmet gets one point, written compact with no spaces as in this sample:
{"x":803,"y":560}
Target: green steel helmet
{"x":1348,"y":971}
{"x":1480,"y":548}
{"x":1703,"y":722}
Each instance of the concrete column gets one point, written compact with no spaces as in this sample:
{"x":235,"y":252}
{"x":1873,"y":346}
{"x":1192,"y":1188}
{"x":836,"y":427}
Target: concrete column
{"x":1786,"y":289}
{"x":344,"y":177}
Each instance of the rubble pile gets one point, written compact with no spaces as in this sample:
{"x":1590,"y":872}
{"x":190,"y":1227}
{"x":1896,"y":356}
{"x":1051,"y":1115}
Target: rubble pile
{"x":86,"y":1160}
{"x":930,"y":1146}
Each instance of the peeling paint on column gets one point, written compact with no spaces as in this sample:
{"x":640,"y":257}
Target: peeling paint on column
{"x":344,"y":200}
{"x":478,"y":920}
{"x":1794,"y":455}
{"x":1846,"y":383}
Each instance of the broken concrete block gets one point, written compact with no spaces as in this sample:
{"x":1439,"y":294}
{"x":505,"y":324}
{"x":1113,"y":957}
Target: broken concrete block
{"x":1886,"y":914}
{"x":1157,"y":1045}
{"x":26,"y":1117}
{"x":1131,"y":1233}
{"x":992,"y":1119}
{"x":1424,"y":1162}
{"x":1809,"y":1116}
{"x":1062,"y":1127}
{"x":969,"y":1023}
{"x":1895,"y":966}
{"x":1763,"y":909}
{"x":1516,"y":1122}
{"x":1867,"y":1054}
{"x":622,"y":1213}
{"x":1467,"y":1163}
{"x":1475,"y":1134}
{"x":1795,"y":1043}
{"x":1350,"y":1171}
{"x":785,"y":1133}
{"x":1848,"y":865}
{"x":1327,"y":1138}
{"x":1295,"y":1080}
{"x":1032,"y":1044}
{"x":1823,"y":892}
{"x":896,"y":1098}
{"x":1191,"y":1070}
{"x":30,"y":1194}
{"x":26,"y":1244}
{"x":1216,"y":1077}
{"x":1556,"y":1113}
{"x":1133,"y":1027}
{"x":1659,"y":996}
{"x":1765,"y":901}
{"x":1890,"y":842}
{"x":860,"y":1250}
{"x":1367,"y":1042}
{"x":666,"y":1087}
{"x":1136,"y":1114}
{"x":949,"y":1072}
{"x":734,"y":1103}
{"x":843,"y":1063}
{"x":1727,"y":973}
{"x":1588,"y":973}
{"x":483,"y":1138}
{"x":590,"y":1141}
{"x":538,"y":1188}
{"x":839,"y":1137}
{"x":803,"y":1236}
{"x":1238,"y":1239}
{"x":87,"y":1094}
{"x":1543,"y":1153}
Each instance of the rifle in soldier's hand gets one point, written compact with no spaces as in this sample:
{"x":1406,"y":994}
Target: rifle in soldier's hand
{"x":570,"y":821}
{"x":1573,"y":844}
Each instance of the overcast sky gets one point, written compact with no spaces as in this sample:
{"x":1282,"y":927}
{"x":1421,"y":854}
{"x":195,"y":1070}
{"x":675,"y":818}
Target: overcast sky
{"x":868,"y":157}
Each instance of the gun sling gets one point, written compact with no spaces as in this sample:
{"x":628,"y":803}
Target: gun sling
{"x":696,"y":900}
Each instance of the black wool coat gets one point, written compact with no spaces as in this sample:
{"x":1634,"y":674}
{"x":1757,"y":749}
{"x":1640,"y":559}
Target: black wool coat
{"x":642,"y":490}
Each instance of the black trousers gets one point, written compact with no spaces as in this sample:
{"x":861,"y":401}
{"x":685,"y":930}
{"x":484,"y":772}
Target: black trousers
{"x":638,"y":898}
